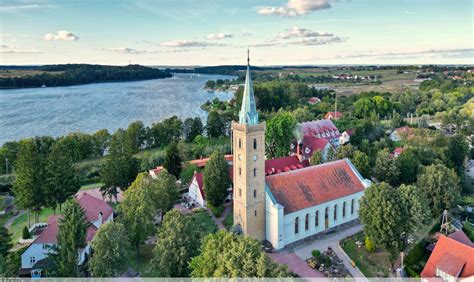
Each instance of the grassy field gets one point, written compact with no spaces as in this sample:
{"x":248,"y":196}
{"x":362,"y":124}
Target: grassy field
{"x":4,"y":218}
{"x":229,"y":220}
{"x":374,"y":264}
{"x":91,"y":186}
{"x":204,"y":219}
{"x":17,"y":226}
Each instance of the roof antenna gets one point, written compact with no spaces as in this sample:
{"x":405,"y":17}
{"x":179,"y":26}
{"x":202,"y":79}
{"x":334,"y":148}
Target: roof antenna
{"x":248,"y":56}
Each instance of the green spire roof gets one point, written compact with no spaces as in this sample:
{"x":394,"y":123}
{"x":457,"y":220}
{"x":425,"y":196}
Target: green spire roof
{"x":248,"y":112}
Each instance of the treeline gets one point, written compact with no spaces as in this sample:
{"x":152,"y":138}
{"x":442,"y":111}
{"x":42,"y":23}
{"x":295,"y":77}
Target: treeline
{"x":74,"y":74}
{"x":221,"y":70}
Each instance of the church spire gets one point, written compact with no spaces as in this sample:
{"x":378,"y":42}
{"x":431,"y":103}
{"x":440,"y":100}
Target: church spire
{"x":248,"y":112}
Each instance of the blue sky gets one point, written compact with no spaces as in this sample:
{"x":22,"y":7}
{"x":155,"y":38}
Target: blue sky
{"x":212,"y":32}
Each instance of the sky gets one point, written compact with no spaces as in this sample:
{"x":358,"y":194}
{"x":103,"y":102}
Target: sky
{"x":218,"y":32}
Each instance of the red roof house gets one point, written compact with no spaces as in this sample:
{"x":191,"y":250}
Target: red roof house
{"x":314,"y":100}
{"x":333,"y":115}
{"x":450,"y":260}
{"x":324,"y":128}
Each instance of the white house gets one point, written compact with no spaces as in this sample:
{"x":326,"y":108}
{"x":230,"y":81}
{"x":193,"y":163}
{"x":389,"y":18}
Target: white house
{"x":307,"y":201}
{"x":97,"y":212}
{"x":196,"y":190}
{"x":401,"y":133}
{"x":346,"y":136}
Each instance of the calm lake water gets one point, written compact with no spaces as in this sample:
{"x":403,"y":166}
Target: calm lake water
{"x":87,"y":108}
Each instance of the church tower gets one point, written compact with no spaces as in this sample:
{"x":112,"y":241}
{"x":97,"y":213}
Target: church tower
{"x":248,"y":141}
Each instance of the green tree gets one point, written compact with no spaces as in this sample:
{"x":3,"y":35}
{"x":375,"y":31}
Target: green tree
{"x":331,"y":154}
{"x":279,"y":134}
{"x":458,"y":150}
{"x":29,"y":177}
{"x":177,"y":242}
{"x":11,"y":263}
{"x":418,"y":209}
{"x":440,"y":186}
{"x":172,"y":161}
{"x":120,"y":167}
{"x":111,"y":251}
{"x":224,"y":254}
{"x":316,"y":158}
{"x":61,"y":178}
{"x":363,"y":107}
{"x":138,"y":213}
{"x":216,"y":179}
{"x":386,"y":168}
{"x":361,"y":162}
{"x":163,"y":191}
{"x":71,"y":238}
{"x":396,"y":121}
{"x":136,"y":134}
{"x":408,"y":164}
{"x":101,"y":141}
{"x":384,"y":216}
{"x":5,"y":242}
{"x":215,"y":126}
{"x":192,"y":127}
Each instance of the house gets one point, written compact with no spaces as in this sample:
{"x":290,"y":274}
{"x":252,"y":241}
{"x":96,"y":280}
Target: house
{"x":297,"y":202}
{"x":308,"y":145}
{"x":333,"y":115}
{"x":200,"y":163}
{"x":346,"y":136}
{"x":314,"y":100}
{"x":450,"y":260}
{"x":324,"y":128}
{"x":96,"y":211}
{"x":396,"y":152}
{"x":401,"y":133}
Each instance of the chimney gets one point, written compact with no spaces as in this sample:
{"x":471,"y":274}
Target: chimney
{"x":298,"y":151}
{"x":100,"y":219}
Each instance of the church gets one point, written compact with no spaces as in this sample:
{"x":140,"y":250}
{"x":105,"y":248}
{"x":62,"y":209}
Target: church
{"x":286,"y":205}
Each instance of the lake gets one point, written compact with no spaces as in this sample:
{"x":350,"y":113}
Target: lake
{"x":57,"y":111}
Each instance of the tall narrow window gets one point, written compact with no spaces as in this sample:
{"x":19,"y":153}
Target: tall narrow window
{"x":255,"y":212}
{"x":255,"y":144}
{"x":316,"y":219}
{"x":240,"y":171}
{"x":335,"y":212}
{"x":296,"y":225}
{"x":352,"y":206}
{"x":306,"y":222}
{"x":254,"y":172}
{"x":255,"y":193}
{"x":240,"y":143}
{"x":240,"y":192}
{"x":344,"y":209}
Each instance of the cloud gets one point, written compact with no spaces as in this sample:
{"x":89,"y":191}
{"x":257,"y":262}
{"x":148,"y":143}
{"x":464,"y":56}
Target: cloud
{"x":296,"y":8}
{"x":318,"y":41}
{"x":125,"y":50}
{"x":218,"y":36}
{"x":22,"y":5}
{"x":61,"y":35}
{"x":301,"y":32}
{"x":246,"y":33}
{"x":188,"y":43}
{"x":8,"y":49}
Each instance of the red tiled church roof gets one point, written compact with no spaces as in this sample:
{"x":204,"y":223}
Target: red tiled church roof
{"x":274,"y":165}
{"x":452,"y":257}
{"x":303,"y":188}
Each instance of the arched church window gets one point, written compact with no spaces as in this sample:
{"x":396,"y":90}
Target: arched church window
{"x":316,"y":219}
{"x":296,"y":225}
{"x":352,"y":206}
{"x":344,"y":209}
{"x":335,"y":212}
{"x":306,"y":222}
{"x":255,"y":144}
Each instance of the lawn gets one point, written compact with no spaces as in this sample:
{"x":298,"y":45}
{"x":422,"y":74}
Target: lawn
{"x":4,"y":218}
{"x":17,"y":226}
{"x":374,"y":264}
{"x":204,"y":219}
{"x":2,"y":202}
{"x":91,"y":186}
{"x":143,"y":266}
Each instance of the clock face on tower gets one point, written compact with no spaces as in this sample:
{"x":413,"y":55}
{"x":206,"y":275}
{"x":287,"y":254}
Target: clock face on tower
{"x":240,"y":157}
{"x":255,"y":157}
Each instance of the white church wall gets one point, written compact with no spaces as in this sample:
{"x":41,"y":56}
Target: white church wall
{"x":274,"y":222}
{"x":289,"y":235}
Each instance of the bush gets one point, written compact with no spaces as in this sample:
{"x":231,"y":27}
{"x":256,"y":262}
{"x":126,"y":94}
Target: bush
{"x":416,"y":258}
{"x":469,"y":230}
{"x":217,"y":211}
{"x":316,"y":253}
{"x":26,"y":233}
{"x":369,"y":245}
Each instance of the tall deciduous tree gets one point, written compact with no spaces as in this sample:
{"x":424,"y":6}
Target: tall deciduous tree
{"x":224,"y":254}
{"x":384,"y":216}
{"x":440,"y":186}
{"x":279,"y":134}
{"x":361,"y":162}
{"x":71,"y":238}
{"x":216,"y":179}
{"x":101,"y":141}
{"x":458,"y":150}
{"x":163,"y":190}
{"x":138,"y":214}
{"x":61,"y":179}
{"x":408,"y":164}
{"x":418,"y":209}
{"x":120,"y":167}
{"x":172,"y":161}
{"x":215,"y":126}
{"x":111,"y":251}
{"x":192,"y":127}
{"x":386,"y":168}
{"x":178,"y":241}
{"x":136,"y":135}
{"x":29,"y":177}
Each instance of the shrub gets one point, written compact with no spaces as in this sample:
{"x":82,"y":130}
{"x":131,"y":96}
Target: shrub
{"x":369,"y":245}
{"x":316,"y":253}
{"x":26,"y":233}
{"x":469,"y":230}
{"x":217,"y":211}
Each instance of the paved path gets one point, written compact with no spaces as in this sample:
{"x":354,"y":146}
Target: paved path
{"x":297,"y":265}
{"x":331,"y":240}
{"x":219,"y":220}
{"x":11,"y":219}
